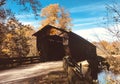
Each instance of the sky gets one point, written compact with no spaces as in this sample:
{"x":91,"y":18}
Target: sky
{"x":86,"y":15}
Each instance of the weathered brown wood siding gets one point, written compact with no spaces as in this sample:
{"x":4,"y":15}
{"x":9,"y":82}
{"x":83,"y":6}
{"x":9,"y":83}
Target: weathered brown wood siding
{"x":50,"y":47}
{"x":80,"y":48}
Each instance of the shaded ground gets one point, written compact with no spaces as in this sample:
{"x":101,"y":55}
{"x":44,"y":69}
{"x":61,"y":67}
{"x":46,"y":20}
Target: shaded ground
{"x":41,"y":73}
{"x":54,"y":77}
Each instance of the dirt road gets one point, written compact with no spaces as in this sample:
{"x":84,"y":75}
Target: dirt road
{"x":28,"y":71}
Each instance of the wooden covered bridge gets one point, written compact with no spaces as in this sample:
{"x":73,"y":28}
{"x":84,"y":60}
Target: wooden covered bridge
{"x":55,"y":43}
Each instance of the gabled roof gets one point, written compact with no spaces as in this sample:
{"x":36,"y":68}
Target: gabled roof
{"x":75,"y":36}
{"x":47,"y":27}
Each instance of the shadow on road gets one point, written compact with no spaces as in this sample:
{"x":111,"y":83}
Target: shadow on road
{"x":54,"y":77}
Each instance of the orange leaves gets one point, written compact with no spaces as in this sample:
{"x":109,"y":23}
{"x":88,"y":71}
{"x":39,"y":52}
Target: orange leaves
{"x":110,"y":48}
{"x":6,"y":51}
{"x":50,"y":11}
{"x":16,"y":39}
{"x":53,"y":32}
{"x":9,"y":36}
{"x":56,"y":16}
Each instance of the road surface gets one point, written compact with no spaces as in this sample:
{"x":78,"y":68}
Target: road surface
{"x":28,"y":71}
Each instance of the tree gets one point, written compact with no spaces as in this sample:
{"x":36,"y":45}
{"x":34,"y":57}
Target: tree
{"x":113,"y":20}
{"x":56,"y":16}
{"x":64,"y":20}
{"x":16,"y":39}
{"x":27,"y":5}
{"x":112,"y":24}
{"x":32,"y":6}
{"x":3,"y":31}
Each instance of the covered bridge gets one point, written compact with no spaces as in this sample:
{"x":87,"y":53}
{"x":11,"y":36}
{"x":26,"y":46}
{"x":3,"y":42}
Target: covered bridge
{"x":51,"y":44}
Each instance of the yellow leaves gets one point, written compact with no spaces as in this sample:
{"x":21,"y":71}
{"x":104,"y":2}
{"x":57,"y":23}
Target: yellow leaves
{"x":53,"y":32}
{"x":53,"y":18}
{"x":51,"y":14}
{"x":6,"y":51}
{"x":15,"y":38}
{"x":27,"y":33}
{"x":56,"y":16}
{"x":50,"y":10}
{"x":9,"y":36}
{"x":13,"y":23}
{"x":108,"y":47}
{"x":104,"y":43}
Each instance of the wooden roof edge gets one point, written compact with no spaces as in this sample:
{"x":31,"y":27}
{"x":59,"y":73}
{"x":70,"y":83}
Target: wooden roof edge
{"x":60,"y":29}
{"x":83,"y":39}
{"x":49,"y":26}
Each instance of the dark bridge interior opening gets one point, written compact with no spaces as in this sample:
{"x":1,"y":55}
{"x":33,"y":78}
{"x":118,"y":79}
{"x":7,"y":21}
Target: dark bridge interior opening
{"x":49,"y":45}
{"x":55,"y":48}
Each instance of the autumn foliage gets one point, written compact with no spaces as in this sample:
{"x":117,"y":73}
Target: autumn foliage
{"x":14,"y":39}
{"x":107,"y":48}
{"x":56,"y":16}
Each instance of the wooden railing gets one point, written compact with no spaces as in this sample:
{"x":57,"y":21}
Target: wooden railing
{"x":16,"y":61}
